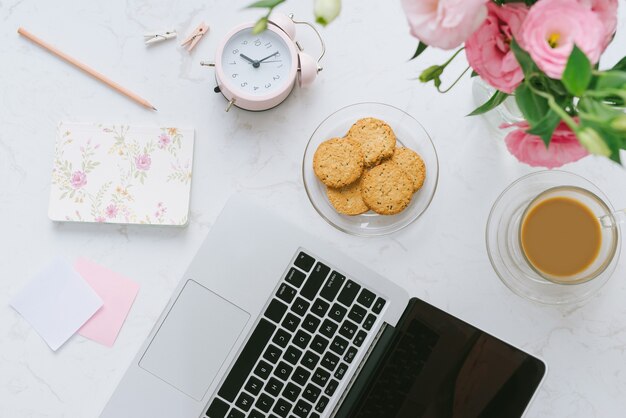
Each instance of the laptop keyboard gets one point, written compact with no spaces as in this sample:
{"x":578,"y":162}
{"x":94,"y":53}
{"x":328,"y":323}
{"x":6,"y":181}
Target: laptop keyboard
{"x":302,"y":347}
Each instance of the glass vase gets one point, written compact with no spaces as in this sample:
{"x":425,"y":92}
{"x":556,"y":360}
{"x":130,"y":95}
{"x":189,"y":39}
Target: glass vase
{"x":507,"y":112}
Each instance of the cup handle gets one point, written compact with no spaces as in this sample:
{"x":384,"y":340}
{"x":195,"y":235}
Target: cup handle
{"x":616,"y":218}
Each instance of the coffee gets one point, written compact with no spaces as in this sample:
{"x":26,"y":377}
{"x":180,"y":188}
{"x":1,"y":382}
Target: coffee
{"x":560,"y":236}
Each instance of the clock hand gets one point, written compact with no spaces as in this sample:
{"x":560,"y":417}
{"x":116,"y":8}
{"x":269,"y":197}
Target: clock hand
{"x":268,"y":57}
{"x":254,"y":63}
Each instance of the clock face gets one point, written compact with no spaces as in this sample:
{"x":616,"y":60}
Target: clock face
{"x":256,"y":64}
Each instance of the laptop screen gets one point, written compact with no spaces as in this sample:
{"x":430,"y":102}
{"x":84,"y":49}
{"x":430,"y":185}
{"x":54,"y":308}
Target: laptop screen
{"x":434,"y":365}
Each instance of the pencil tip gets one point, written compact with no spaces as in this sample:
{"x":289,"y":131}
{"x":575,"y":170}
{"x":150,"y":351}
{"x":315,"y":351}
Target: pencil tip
{"x":154,"y":108}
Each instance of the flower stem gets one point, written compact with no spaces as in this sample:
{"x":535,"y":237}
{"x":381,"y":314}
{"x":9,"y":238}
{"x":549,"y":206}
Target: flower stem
{"x":556,"y":108}
{"x":454,"y":83}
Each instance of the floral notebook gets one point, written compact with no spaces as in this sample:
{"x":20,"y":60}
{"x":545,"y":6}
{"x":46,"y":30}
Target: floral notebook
{"x":121,"y":174}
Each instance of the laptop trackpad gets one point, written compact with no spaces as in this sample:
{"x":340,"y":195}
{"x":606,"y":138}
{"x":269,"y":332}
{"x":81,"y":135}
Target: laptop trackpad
{"x":194,"y":339}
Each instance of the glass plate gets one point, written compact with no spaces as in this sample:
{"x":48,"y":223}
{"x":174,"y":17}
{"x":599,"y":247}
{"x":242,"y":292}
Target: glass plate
{"x":409,"y":132}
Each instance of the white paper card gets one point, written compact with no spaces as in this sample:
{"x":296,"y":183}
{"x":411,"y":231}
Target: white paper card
{"x":121,"y":174}
{"x":57,"y":302}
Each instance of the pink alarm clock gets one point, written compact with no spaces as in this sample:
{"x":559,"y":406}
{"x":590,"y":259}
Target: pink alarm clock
{"x":258,"y":71}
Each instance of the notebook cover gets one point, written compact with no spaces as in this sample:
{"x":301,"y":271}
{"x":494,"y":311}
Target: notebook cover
{"x":121,"y":174}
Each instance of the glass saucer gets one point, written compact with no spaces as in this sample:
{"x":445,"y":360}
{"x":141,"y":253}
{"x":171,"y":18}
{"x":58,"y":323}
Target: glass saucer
{"x":409,"y":132}
{"x":505,"y":254}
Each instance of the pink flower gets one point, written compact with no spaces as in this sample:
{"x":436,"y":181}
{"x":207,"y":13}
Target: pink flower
{"x":488,"y":50}
{"x":78,"y":179}
{"x":551,"y":29}
{"x":100,"y":219}
{"x":111,"y":211}
{"x":142,"y":162}
{"x":164,"y":140}
{"x":444,"y":24}
{"x":530,"y":149}
{"x":606,"y":10}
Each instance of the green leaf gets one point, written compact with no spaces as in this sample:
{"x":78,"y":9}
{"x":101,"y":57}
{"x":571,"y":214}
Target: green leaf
{"x":621,"y":65}
{"x":523,"y":58}
{"x":260,"y":25}
{"x":421,"y":47}
{"x":474,"y":73}
{"x":532,"y":106}
{"x":493,"y":102}
{"x":611,"y":80}
{"x":577,"y":73}
{"x":265,"y":4}
{"x":546,"y":126}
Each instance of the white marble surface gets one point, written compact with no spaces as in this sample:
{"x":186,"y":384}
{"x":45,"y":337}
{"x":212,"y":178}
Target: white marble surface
{"x":441,"y":258}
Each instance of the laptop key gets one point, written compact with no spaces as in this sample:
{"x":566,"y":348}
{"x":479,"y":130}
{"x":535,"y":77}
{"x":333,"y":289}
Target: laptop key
{"x":291,"y":322}
{"x":256,"y":414}
{"x":272,"y":353}
{"x":301,"y":339}
{"x":283,"y":370}
{"x":348,"y":329}
{"x":244,"y":402}
{"x":311,"y":393}
{"x":300,"y":306}
{"x":314,"y":415}
{"x":217,"y":409}
{"x":328,"y":328}
{"x":320,"y":377}
{"x":366,"y":298}
{"x":282,"y":408}
{"x":320,"y":307}
{"x":234,"y":413}
{"x":291,"y":392}
{"x":332,"y":387}
{"x":281,"y":338}
{"x":314,"y":281}
{"x":275,"y":310}
{"x":295,"y":277}
{"x":292,"y":355}
{"x":263,"y":369}
{"x":310,"y":360}
{"x":246,"y":360}
{"x":332,"y":286}
{"x":264,"y":402}
{"x":330,"y":361}
{"x":304,"y":261}
{"x":302,"y":409}
{"x":254,"y":385}
{"x":339,"y":345}
{"x":319,"y":344}
{"x":360,"y":337}
{"x":341,"y":371}
{"x":378,"y":305}
{"x":350,"y":355}
{"x":348,"y":293}
{"x":369,"y":322}
{"x":274,"y":386}
{"x":321,"y":405}
{"x":337,"y":312}
{"x":301,"y":376}
{"x":311,"y":323}
{"x":286,"y":292}
{"x":357,"y":313}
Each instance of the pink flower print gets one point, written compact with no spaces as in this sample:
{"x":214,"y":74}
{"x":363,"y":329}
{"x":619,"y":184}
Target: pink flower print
{"x":142,"y":162}
{"x":78,"y":179}
{"x":111,"y":211}
{"x":164,"y":140}
{"x":100,"y":219}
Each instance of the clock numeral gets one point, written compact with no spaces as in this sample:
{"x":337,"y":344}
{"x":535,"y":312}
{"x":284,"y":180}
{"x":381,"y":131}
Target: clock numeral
{"x":278,"y":55}
{"x":256,"y":88}
{"x":280,"y":66}
{"x":244,"y":84}
{"x":244,"y":43}
{"x":235,"y":75}
{"x":276,"y":77}
{"x":235,"y":51}
{"x":257,"y":42}
{"x":233,"y":63}
{"x":268,"y":85}
{"x":268,"y":45}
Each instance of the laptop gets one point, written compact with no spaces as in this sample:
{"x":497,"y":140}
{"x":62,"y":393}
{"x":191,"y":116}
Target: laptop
{"x":269,"y":321}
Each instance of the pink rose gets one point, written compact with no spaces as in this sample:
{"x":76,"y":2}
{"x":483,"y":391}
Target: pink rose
{"x":78,"y":179}
{"x":142,"y":162}
{"x":444,"y":24}
{"x":111,"y":211}
{"x":530,"y":149}
{"x":551,"y":29}
{"x":606,"y":10}
{"x":488,"y":50}
{"x":164,"y":140}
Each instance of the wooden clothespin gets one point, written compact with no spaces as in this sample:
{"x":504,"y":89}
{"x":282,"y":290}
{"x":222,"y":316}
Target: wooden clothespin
{"x":155,"y":37}
{"x":195,"y":36}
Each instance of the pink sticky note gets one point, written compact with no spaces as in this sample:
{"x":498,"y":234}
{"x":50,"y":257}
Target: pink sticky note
{"x":117,"y":293}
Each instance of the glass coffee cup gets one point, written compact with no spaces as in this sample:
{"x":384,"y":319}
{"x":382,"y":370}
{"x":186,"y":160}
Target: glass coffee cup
{"x":558,"y":208}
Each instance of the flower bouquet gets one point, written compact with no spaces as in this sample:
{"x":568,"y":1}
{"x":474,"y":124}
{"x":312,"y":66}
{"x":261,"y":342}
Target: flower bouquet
{"x":545,"y":53}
